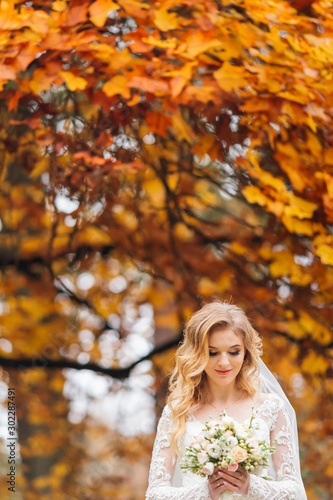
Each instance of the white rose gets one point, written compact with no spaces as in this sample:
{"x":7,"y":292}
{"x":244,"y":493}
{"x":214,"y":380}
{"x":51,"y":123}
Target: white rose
{"x":241,"y":432}
{"x":227,"y":420}
{"x":209,"y":434}
{"x":231,"y":441}
{"x":214,"y":450}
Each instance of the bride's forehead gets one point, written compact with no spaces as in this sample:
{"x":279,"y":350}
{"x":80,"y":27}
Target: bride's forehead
{"x":224,"y":337}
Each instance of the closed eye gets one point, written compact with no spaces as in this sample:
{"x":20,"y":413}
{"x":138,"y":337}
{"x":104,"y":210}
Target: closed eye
{"x":235,"y":353}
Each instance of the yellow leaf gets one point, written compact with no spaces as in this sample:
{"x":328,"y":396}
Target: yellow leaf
{"x":99,"y":11}
{"x":329,"y":184}
{"x":72,"y":81}
{"x":126,"y":218}
{"x":164,"y":20}
{"x":315,"y":363}
{"x":295,"y":329}
{"x":282,"y":265}
{"x":206,"y":287}
{"x":325,"y":252}
{"x":155,"y":192}
{"x":269,"y":180}
{"x":238,"y":248}
{"x":254,"y":195}
{"x":316,"y":330}
{"x":298,"y":207}
{"x":92,"y":235}
{"x":183,"y":232}
{"x":117,"y":85}
{"x":230,"y":78}
{"x":183,"y":129}
{"x":297,"y":226}
{"x":294,"y":97}
{"x":197,"y":44}
{"x":170,"y":43}
{"x":59,"y":6}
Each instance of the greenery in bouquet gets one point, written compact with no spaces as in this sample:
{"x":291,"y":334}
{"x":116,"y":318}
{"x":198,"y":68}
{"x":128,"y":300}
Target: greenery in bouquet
{"x":228,"y":444}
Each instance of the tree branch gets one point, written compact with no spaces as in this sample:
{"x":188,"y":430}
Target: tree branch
{"x":118,"y":373}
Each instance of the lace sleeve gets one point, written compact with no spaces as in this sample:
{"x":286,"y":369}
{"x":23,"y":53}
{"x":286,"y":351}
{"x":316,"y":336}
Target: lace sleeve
{"x":162,"y":468}
{"x":288,"y":484}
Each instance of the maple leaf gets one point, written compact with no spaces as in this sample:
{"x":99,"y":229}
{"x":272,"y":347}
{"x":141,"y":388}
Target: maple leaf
{"x":230,"y":78}
{"x":117,"y":85}
{"x":99,"y":11}
{"x":72,"y":81}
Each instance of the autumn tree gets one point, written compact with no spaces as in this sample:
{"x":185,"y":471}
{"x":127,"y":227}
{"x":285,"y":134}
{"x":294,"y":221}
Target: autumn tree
{"x":155,"y":155}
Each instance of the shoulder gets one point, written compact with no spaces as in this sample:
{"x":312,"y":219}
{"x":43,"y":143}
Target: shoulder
{"x":270,"y":398}
{"x":270,"y":403}
{"x":166,"y":411}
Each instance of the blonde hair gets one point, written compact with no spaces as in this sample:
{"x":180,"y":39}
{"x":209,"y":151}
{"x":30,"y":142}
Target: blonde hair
{"x":188,"y":379}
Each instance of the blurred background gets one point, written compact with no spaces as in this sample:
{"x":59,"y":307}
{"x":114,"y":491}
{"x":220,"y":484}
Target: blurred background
{"x":156,"y":156}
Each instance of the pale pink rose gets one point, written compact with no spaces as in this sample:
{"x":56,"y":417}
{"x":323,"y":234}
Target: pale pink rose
{"x":192,"y":443}
{"x":208,"y":469}
{"x":205,"y":444}
{"x":200,"y":438}
{"x":202,"y":457}
{"x":252,"y":441}
{"x":229,"y":433}
{"x":239,"y":454}
{"x":254,"y":451}
{"x":232,"y":467}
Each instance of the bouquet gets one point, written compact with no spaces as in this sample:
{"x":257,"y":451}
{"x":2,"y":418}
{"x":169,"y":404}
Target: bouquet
{"x":227,"y":444}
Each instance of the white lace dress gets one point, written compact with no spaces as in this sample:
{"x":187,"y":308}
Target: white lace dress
{"x":272,"y":422}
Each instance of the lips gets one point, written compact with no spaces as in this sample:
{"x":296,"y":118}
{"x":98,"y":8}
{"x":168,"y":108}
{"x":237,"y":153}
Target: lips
{"x":223,"y":372}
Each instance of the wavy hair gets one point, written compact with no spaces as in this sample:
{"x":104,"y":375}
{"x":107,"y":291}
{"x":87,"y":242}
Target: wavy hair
{"x":187,"y":383}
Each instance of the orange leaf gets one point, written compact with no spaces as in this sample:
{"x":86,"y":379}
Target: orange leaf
{"x":99,"y":11}
{"x":230,"y":78}
{"x":158,"y":122}
{"x":76,"y":15}
{"x":158,"y":87}
{"x":165,"y":21}
{"x":7,"y":72}
{"x":42,"y":80}
{"x":117,"y":85}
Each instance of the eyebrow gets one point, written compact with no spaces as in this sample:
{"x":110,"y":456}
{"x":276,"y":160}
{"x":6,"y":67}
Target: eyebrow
{"x":212,"y":347}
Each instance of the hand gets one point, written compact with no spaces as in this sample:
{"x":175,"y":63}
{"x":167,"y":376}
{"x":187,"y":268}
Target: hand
{"x":216,"y":485}
{"x":238,"y":481}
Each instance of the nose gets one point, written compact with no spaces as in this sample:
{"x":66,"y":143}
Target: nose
{"x":223,"y":360}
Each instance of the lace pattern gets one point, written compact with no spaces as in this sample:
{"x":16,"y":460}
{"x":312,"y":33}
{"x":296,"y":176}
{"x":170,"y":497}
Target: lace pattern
{"x":273,"y":423}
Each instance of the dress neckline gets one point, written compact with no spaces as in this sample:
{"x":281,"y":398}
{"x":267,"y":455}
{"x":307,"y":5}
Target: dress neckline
{"x":192,"y":418}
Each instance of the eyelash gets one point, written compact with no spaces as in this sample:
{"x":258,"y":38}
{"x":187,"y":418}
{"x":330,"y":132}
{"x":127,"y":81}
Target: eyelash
{"x":232,"y":353}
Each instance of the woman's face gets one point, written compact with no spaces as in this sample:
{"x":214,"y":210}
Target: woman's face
{"x":226,"y":356}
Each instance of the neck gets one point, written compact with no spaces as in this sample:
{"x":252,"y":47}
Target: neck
{"x":222,"y":396}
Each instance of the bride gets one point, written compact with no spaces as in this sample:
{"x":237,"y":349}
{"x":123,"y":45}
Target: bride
{"x":218,"y":368}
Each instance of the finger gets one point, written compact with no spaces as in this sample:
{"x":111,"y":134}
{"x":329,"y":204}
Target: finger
{"x":228,"y":478}
{"x":220,"y":484}
{"x":233,"y":475}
